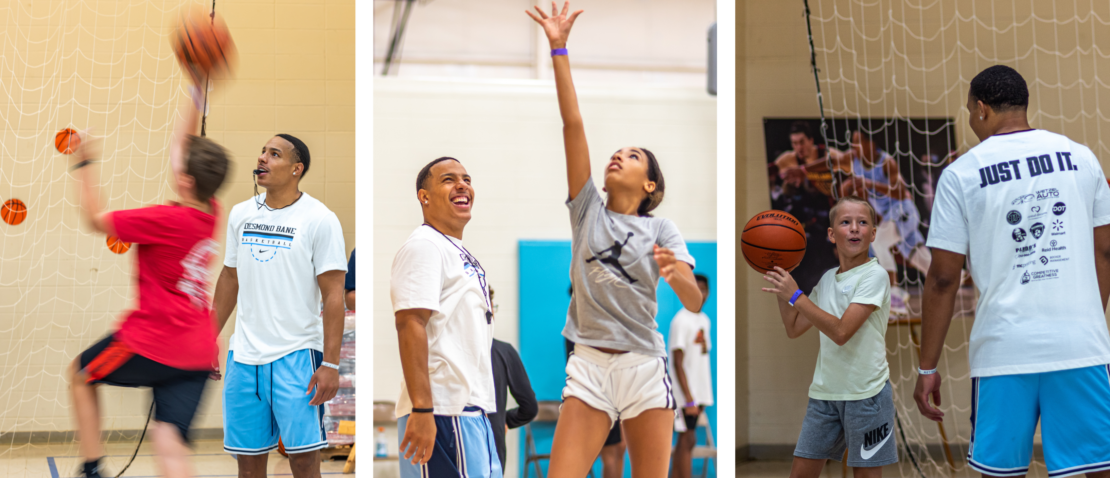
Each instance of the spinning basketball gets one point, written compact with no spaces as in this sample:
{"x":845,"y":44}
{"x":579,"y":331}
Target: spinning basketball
{"x":773,"y":238}
{"x":202,"y":43}
{"x":66,"y":141}
{"x":13,"y":212}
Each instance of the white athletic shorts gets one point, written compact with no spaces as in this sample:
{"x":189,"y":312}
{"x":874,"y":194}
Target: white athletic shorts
{"x":621,"y":385}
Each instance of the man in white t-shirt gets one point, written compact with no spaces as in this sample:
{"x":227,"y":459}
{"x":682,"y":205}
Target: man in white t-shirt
{"x":285,"y":255}
{"x":1030,"y":210}
{"x":689,"y":346}
{"x":444,"y":322}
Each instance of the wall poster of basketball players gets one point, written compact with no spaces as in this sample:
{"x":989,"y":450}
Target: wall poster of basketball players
{"x":893,"y":163}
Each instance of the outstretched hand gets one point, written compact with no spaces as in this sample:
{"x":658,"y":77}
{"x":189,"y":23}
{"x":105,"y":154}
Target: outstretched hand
{"x":557,"y":25}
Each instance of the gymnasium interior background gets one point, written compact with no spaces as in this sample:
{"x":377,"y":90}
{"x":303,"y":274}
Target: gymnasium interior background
{"x":474,"y":81}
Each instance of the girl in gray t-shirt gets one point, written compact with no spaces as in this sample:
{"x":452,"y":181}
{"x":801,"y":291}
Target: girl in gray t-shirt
{"x":618,"y":369}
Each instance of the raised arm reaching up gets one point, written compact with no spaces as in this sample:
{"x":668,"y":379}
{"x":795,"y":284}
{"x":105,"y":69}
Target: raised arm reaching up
{"x":557,"y":28}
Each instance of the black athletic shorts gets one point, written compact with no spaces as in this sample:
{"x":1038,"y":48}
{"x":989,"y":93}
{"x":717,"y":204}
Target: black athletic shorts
{"x":176,"y":392}
{"x":615,"y":433}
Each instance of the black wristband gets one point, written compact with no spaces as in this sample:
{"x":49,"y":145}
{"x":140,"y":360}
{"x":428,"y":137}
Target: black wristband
{"x":81,"y":164}
{"x":423,"y":410}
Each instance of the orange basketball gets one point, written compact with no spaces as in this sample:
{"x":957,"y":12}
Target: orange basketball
{"x":67,"y":141}
{"x":13,"y":212}
{"x":773,"y":238}
{"x":118,"y":246}
{"x":201,"y":41}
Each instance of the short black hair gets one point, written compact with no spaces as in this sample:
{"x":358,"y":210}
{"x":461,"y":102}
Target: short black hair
{"x":427,"y":170}
{"x":801,"y":127}
{"x":702,"y":278}
{"x":300,"y":152}
{"x":1000,"y":87}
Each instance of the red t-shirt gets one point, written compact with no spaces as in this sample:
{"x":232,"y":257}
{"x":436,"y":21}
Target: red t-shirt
{"x":173,"y":322}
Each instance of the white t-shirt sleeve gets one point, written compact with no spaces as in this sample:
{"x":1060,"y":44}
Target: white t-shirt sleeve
{"x":948,"y":225}
{"x":1100,"y":210}
{"x":231,"y":242}
{"x":680,"y":334}
{"x":328,"y":251}
{"x":416,"y":279}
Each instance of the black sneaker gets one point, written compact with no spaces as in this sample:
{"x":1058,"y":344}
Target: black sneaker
{"x":91,"y":470}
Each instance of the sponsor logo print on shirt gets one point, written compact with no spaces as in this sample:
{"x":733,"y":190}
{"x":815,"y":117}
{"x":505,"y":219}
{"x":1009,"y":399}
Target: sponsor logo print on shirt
{"x":1044,"y":260}
{"x":1038,"y":196}
{"x":1058,"y":208}
{"x":1013,"y":217}
{"x":1037,"y":230}
{"x":1037,"y":276}
{"x":1019,"y":234}
{"x":1052,"y":247}
{"x":1026,"y":251}
{"x":874,"y":440}
{"x":266,"y":240}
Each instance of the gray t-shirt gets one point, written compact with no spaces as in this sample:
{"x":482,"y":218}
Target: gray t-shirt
{"x":614,"y":275}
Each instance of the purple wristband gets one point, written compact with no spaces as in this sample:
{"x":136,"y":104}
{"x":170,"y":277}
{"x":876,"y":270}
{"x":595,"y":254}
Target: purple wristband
{"x":559,"y":51}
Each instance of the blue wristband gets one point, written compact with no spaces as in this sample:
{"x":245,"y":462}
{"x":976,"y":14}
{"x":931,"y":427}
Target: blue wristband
{"x":559,"y":51}
{"x":794,"y":298}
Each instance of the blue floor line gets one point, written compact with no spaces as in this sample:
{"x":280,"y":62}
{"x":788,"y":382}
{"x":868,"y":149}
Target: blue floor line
{"x":53,"y":467}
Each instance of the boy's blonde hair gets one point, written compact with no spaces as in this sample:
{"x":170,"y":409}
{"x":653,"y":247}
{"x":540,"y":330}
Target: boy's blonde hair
{"x":856,"y":200}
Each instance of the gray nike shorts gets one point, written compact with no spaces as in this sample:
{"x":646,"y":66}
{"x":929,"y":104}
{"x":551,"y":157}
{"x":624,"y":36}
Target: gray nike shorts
{"x":865,"y":427}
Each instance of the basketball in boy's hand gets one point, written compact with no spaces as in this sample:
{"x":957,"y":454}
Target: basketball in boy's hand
{"x":773,"y":238}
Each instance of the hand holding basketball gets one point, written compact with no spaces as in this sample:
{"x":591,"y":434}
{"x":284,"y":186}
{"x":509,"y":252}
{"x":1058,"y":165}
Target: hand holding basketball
{"x":557,"y":25}
{"x":665,"y":258}
{"x":784,"y":284}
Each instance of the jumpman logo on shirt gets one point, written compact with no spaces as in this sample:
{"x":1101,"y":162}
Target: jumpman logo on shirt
{"x":613,"y":259}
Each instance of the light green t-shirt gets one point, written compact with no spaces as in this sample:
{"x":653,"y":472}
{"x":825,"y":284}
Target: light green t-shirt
{"x":857,"y":369}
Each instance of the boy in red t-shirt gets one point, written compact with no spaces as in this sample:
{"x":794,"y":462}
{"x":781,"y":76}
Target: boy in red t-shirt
{"x":167,"y":342}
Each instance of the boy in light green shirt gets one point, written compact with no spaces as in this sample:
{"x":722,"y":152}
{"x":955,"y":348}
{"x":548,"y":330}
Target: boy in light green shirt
{"x":851,"y":405}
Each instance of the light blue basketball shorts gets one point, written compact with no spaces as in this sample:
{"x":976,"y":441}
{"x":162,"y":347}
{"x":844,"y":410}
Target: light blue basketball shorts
{"x":265,"y":402}
{"x":1074,"y":410}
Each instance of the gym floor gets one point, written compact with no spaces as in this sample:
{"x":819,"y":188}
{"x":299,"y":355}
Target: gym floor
{"x":779,"y":469}
{"x":60,"y":461}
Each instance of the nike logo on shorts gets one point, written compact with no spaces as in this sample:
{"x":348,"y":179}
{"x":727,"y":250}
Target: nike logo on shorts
{"x":877,"y":437}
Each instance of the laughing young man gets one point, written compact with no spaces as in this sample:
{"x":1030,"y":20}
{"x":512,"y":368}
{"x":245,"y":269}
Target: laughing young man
{"x":445,"y":329}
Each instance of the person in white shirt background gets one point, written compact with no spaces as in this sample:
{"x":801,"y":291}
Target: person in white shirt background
{"x":444,"y":321}
{"x":1030,"y":209}
{"x":689,"y":346}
